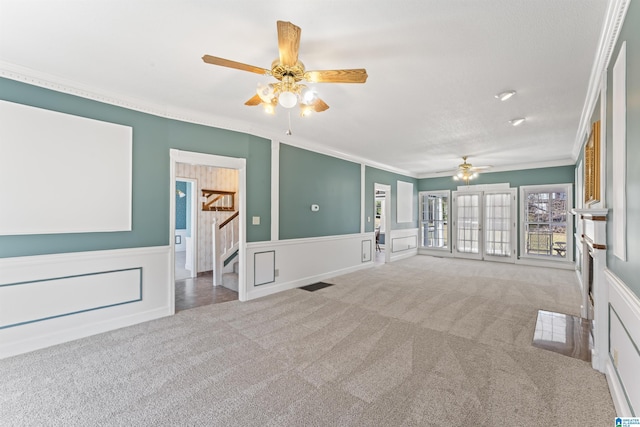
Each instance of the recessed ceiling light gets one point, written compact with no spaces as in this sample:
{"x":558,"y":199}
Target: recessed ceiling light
{"x":503,"y":96}
{"x":517,"y":122}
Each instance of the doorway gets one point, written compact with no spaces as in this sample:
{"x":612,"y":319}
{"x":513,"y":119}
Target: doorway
{"x":208,"y":160}
{"x":484,"y":225}
{"x":382,"y":223}
{"x":186,"y":233}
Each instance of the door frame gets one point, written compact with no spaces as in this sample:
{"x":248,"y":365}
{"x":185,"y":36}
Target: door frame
{"x":481,"y":191}
{"x":387,"y":217}
{"x":193,"y":201}
{"x":179,"y":156}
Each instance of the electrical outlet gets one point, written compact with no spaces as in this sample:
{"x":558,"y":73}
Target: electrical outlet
{"x":615,"y":357}
{"x":277,"y":272}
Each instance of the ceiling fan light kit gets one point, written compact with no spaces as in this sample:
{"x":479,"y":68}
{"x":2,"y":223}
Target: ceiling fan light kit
{"x":289,"y":71}
{"x":466,"y":171}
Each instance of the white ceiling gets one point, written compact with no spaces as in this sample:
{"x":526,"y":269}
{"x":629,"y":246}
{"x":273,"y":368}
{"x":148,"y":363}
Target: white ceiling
{"x":434,"y":67}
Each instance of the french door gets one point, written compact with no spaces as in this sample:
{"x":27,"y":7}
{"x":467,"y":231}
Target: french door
{"x":484,"y":224}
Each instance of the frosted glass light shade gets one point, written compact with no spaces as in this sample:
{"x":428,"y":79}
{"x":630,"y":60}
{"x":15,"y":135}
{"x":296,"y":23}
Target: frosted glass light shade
{"x":265,"y":92}
{"x":288,"y":99}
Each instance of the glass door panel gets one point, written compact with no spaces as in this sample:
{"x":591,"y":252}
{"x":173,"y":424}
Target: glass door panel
{"x":499,"y":226}
{"x":484,"y":225}
{"x":467,"y":225}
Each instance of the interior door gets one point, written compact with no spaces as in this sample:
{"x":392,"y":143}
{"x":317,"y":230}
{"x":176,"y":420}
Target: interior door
{"x":484,"y":225}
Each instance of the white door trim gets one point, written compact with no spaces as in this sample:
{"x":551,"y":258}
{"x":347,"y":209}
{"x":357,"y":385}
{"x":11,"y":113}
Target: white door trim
{"x":194,"y":223}
{"x":387,"y":218}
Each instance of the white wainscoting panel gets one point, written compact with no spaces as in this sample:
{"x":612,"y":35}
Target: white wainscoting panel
{"x":301,"y":262}
{"x":366,"y":250}
{"x":403,"y":244}
{"x":623,"y":366}
{"x":180,"y":240}
{"x":51,"y":299}
{"x":40,"y":300}
{"x":264,"y":267}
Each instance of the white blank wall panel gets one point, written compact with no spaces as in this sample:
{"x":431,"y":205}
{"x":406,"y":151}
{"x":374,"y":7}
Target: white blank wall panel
{"x":61,"y":173}
{"x":619,"y":153}
{"x":404,"y":202}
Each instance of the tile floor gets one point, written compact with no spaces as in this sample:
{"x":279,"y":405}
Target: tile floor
{"x":564,"y":334}
{"x":199,"y":291}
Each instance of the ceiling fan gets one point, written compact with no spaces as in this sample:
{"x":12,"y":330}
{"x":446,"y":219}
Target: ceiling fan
{"x":465,"y":171}
{"x":289,"y":71}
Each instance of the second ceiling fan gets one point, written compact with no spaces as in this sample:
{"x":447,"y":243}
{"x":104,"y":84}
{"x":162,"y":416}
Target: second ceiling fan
{"x":465,"y":171}
{"x":290,"y":71}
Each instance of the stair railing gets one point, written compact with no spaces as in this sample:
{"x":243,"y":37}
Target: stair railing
{"x":225,"y":243}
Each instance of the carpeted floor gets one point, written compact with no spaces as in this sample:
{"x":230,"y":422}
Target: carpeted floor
{"x":423,"y":341}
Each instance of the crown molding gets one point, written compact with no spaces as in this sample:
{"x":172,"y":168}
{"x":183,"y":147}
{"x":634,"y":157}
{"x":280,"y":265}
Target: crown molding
{"x":614,"y":18}
{"x":516,"y":167}
{"x":59,"y":84}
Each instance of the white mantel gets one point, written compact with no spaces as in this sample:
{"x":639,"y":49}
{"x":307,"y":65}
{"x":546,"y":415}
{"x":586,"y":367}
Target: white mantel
{"x":591,"y":240}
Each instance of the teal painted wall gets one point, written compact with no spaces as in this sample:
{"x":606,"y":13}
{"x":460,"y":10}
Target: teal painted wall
{"x":152,"y":138}
{"x":629,"y":270}
{"x":516,"y":179}
{"x":308,"y":178}
{"x":542,"y":176}
{"x":377,"y":176}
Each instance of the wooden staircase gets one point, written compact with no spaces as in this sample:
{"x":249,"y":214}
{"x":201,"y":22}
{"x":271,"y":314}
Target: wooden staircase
{"x":225,"y":252}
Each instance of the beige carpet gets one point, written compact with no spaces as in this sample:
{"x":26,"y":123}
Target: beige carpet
{"x":424,"y":341}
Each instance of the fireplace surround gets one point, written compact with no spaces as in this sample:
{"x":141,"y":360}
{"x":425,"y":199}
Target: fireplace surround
{"x":591,"y":245}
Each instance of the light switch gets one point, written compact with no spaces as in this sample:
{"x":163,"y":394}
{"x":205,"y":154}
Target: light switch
{"x":255,"y":220}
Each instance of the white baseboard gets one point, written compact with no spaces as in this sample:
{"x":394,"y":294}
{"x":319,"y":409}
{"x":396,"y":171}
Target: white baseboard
{"x":443,"y":253}
{"x":37,"y":342}
{"x":534,"y":262}
{"x":404,"y":254}
{"x":259,"y":292}
{"x":89,"y":309}
{"x":298,"y":262}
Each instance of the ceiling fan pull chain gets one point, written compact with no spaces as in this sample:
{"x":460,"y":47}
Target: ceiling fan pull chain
{"x":288,"y":132}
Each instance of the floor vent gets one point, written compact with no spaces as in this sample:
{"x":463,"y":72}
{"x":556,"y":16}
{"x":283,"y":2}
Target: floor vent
{"x":316,"y":286}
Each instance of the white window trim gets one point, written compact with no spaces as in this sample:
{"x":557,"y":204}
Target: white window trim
{"x":568,"y":259}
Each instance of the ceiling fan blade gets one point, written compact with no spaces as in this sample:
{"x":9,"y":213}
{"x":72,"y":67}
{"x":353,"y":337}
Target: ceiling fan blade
{"x":479,"y":168}
{"x":288,"y":43}
{"x":214,"y":60}
{"x":358,"y":75}
{"x":255,"y":100}
{"x":319,"y":105}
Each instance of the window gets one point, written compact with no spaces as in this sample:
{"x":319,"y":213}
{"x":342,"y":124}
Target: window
{"x":434,"y":217}
{"x":547,"y":222}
